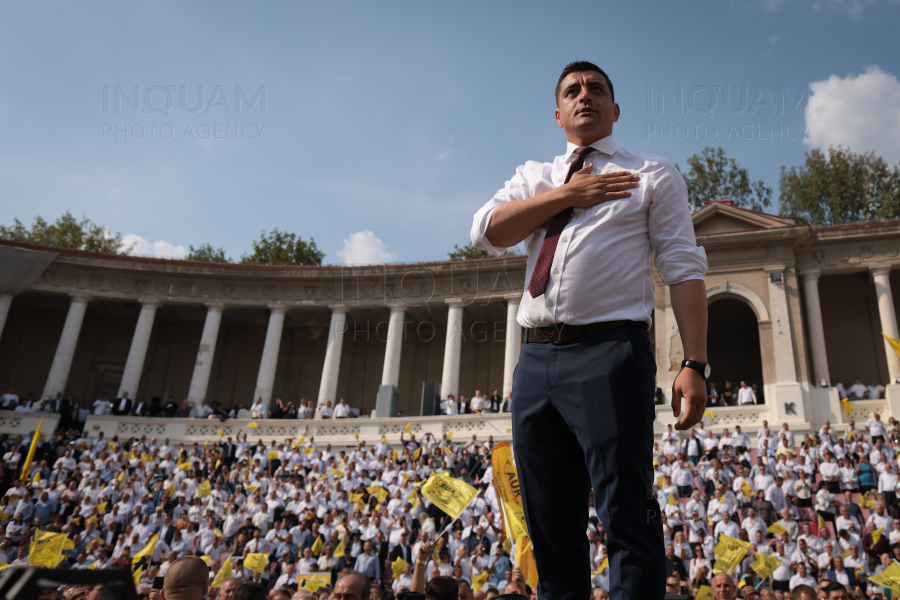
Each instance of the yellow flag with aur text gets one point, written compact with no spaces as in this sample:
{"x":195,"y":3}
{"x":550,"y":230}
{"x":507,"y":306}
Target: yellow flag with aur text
{"x":46,"y":549}
{"x":889,"y":578}
{"x":729,"y":554}
{"x":256,"y":561}
{"x":764,"y":565}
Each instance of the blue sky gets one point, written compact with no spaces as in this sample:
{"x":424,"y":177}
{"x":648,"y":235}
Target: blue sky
{"x":387,"y":125}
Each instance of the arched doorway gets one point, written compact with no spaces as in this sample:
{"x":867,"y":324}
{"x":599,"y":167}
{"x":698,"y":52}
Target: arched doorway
{"x":733,"y":344}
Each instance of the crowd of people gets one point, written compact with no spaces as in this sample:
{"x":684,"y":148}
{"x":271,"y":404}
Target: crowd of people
{"x":825,"y":505}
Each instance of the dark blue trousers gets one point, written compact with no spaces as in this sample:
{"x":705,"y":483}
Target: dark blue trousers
{"x":583,"y":418}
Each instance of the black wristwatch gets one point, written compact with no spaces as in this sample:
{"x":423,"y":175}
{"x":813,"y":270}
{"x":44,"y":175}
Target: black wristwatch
{"x":702,"y":368}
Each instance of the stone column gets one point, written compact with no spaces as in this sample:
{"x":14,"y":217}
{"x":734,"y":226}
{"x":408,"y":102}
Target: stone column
{"x":391,"y":373}
{"x":816,"y":329}
{"x":331,"y":368}
{"x":5,"y":301}
{"x":452,"y":349}
{"x":513,"y":343}
{"x":785,"y":398}
{"x":881,"y":275}
{"x":134,"y":365}
{"x":205,"y":353}
{"x":265,"y":380}
{"x":65,"y":349}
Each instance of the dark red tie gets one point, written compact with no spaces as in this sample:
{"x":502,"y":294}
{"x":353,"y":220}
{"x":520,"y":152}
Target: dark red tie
{"x":541,"y":274}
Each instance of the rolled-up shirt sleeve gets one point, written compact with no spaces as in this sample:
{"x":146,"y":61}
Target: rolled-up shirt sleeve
{"x":516,"y":188}
{"x":671,"y":229}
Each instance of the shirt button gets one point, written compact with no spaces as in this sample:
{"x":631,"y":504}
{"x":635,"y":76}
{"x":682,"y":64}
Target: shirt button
{"x":556,"y":271}
{"x":550,"y":303}
{"x":564,"y":240}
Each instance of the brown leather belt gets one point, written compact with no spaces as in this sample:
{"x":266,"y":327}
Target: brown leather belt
{"x":560,"y":333}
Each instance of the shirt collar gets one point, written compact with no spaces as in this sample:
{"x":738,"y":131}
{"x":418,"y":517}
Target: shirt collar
{"x":605,"y":145}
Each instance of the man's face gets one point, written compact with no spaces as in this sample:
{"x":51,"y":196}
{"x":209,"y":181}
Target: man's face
{"x":348,"y":588}
{"x":228,"y":589}
{"x":585,"y":106}
{"x":840,"y":594}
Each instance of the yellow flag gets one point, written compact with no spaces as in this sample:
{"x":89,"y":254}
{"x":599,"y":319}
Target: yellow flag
{"x":604,"y":565}
{"x":146,"y":457}
{"x":147,"y":551}
{"x":449,"y":494}
{"x":876,"y":535}
{"x":339,"y":550}
{"x":317,"y":546}
{"x":313,"y":581}
{"x":394,"y":455}
{"x":478,"y":581}
{"x":379,"y":492}
{"x":46,"y":548}
{"x":777,"y":529}
{"x":356,"y":435}
{"x":101,"y":508}
{"x":525,"y":560}
{"x":224,"y":573}
{"x":203,"y":489}
{"x":68,"y":544}
{"x":417,"y":453}
{"x":450,"y":435}
{"x":252,"y":425}
{"x":436,"y":552}
{"x":408,"y":428}
{"x":397,"y":567}
{"x":895,"y":344}
{"x":672,"y":500}
{"x":93,"y":566}
{"x":704,"y":593}
{"x":36,"y":478}
{"x":821,"y":523}
{"x":764,"y":565}
{"x":272,"y":455}
{"x":252,"y":487}
{"x":308,"y":451}
{"x":889,"y":578}
{"x":383,"y":440}
{"x":745,"y":489}
{"x":31,"y":450}
{"x":729,"y":552}
{"x":506,"y":485}
{"x":137,"y":576}
{"x":866,"y":502}
{"x":206,"y":558}
{"x":256,"y":561}
{"x":845,"y":403}
{"x":220,"y":432}
{"x":661,"y":481}
{"x":170,"y":490}
{"x":709,"y":413}
{"x":413,"y":499}
{"x":336,"y":473}
{"x":218,"y":534}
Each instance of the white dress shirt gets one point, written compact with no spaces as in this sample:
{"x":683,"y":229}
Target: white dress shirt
{"x":601,"y":268}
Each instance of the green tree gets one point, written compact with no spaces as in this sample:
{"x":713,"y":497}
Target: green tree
{"x":837,"y":186}
{"x":206,"y":253}
{"x":283,"y":248}
{"x":469,"y":252}
{"x":713,"y":175}
{"x":67,"y":232}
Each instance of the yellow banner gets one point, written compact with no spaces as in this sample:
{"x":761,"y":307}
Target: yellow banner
{"x":729,"y":552}
{"x":889,"y":578}
{"x":313,"y":581}
{"x":777,"y":529}
{"x":31,"y":450}
{"x":449,"y":494}
{"x":704,"y":593}
{"x":478,"y":581}
{"x":764,"y":565}
{"x":379,"y":492}
{"x":147,"y":551}
{"x":397,"y":567}
{"x":256,"y":561}
{"x":525,"y":560}
{"x":339,"y":550}
{"x":203,"y":489}
{"x":224,"y":573}
{"x":506,"y":484}
{"x":46,"y":548}
{"x":317,"y":547}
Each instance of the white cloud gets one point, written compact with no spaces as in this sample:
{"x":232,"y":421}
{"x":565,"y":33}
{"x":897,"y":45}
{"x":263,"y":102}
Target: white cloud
{"x":363,"y":248}
{"x":157,"y":249}
{"x":861,"y":112}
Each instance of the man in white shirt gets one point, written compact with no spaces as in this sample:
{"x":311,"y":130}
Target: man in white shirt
{"x":101,"y":406}
{"x":858,"y":391}
{"x":801,"y":577}
{"x":477,"y":403}
{"x":875,"y":390}
{"x":341,"y":411}
{"x":450,"y":406}
{"x":583,"y":231}
{"x":745,"y":395}
{"x":876,"y":428}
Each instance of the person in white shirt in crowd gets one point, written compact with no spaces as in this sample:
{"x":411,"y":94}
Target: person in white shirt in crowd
{"x":341,"y":410}
{"x":875,"y":427}
{"x":802,"y":577}
{"x":203,"y":411}
{"x":478,"y":402}
{"x":745,"y":395}
{"x":325,"y":410}
{"x":875,"y":391}
{"x":727,"y":527}
{"x":858,"y":390}
{"x":258,"y":410}
{"x":102,"y":406}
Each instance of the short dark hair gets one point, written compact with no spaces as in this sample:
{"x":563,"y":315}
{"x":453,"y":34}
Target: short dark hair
{"x":579,"y":66}
{"x":834,"y":586}
{"x":442,"y":588}
{"x":249,"y":590}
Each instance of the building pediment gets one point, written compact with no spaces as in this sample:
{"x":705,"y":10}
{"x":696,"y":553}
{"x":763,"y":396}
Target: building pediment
{"x":721,"y":216}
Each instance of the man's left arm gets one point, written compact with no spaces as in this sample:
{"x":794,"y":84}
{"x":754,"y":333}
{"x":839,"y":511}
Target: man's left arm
{"x":683,"y":267}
